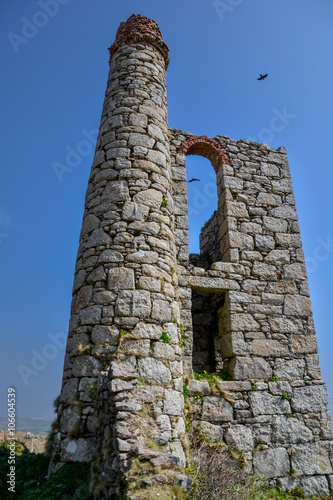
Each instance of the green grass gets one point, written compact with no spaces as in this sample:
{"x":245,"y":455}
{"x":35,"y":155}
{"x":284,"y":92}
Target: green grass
{"x":210,"y":377}
{"x":28,"y":467}
{"x":71,"y":481}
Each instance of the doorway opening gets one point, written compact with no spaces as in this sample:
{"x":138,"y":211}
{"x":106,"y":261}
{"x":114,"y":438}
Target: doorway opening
{"x":206,"y":354}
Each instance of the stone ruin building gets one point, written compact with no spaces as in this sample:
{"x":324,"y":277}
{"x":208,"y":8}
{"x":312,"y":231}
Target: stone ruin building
{"x":145,"y":315}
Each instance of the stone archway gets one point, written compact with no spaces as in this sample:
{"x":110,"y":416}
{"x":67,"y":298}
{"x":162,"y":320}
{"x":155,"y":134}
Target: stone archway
{"x":206,"y":147}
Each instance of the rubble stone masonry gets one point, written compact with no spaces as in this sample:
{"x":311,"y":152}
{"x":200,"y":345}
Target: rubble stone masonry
{"x":144,"y":315}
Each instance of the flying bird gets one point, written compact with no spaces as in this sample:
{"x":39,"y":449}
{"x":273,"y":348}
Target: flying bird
{"x":262,"y":77}
{"x":193,"y":179}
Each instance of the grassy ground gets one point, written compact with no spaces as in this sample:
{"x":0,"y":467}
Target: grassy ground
{"x":70,"y":482}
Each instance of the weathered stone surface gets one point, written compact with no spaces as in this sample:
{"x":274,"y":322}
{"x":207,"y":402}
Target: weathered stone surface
{"x":276,"y":225}
{"x":173,"y":403}
{"x":311,"y":458}
{"x":212,"y":432}
{"x":266,"y":347}
{"x":138,"y":348}
{"x":304,"y":344}
{"x":122,"y":371}
{"x":105,"y":335}
{"x":115,"y":191}
{"x":296,"y":271}
{"x":134,"y":211}
{"x":263,"y":403}
{"x":310,"y":399}
{"x":128,"y":406}
{"x":263,"y":242}
{"x":277,"y":257}
{"x":297,"y":305}
{"x":150,"y":197}
{"x":153,"y":371}
{"x":184,"y":482}
{"x":216,"y":409}
{"x":198,"y":388}
{"x":86,"y":366}
{"x":240,"y":240}
{"x":161,"y":311}
{"x":164,"y":351}
{"x":91,"y":315}
{"x":133,"y":303}
{"x":233,"y":344}
{"x":312,"y":365}
{"x":279,"y":387}
{"x":292,"y":369}
{"x":78,"y":450}
{"x":271,"y":463}
{"x":243,"y":322}
{"x":69,"y":390}
{"x":69,"y":420}
{"x":98,"y":237}
{"x":285,"y":325}
{"x":121,"y":278}
{"x":118,"y":385}
{"x":240,"y":438}
{"x":311,"y":485}
{"x":230,"y":385}
{"x":110,"y":256}
{"x":243,"y":368}
{"x":156,"y":479}
{"x":290,"y":430}
{"x":148,"y":331}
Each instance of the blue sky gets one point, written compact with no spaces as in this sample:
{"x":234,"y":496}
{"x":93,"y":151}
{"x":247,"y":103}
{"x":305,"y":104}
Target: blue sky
{"x":52,"y":89}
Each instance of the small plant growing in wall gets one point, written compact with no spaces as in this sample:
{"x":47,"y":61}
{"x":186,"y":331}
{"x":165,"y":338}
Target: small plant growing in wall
{"x":273,"y":379}
{"x":254,"y":387}
{"x":164,"y":202}
{"x":93,"y":391}
{"x":182,"y":336}
{"x":285,"y":396}
{"x":288,"y":414}
{"x":124,"y":332}
{"x":185,"y":391}
{"x":165,"y":337}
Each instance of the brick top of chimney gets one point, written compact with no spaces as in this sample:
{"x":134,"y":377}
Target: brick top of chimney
{"x":140,"y":29}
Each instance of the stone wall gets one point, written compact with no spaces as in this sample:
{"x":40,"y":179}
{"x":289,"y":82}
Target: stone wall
{"x":144,"y":315}
{"x":274,"y":407}
{"x":210,"y":239}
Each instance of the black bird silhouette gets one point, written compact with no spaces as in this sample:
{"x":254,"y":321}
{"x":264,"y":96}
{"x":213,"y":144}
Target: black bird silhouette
{"x":193,"y":179}
{"x":262,"y":77}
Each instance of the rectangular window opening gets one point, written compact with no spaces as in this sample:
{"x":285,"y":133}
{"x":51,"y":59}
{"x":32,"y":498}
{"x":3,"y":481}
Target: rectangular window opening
{"x":206,"y":355}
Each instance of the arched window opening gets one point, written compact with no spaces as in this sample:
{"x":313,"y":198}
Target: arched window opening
{"x":204,"y":233}
{"x":202,"y":203}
